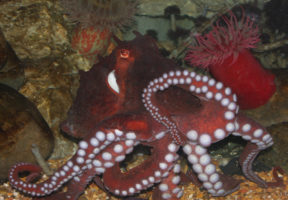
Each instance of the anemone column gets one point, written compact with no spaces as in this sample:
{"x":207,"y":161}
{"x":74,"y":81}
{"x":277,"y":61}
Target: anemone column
{"x":225,"y":51}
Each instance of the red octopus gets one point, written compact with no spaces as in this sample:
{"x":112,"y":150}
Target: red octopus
{"x":135,"y":96}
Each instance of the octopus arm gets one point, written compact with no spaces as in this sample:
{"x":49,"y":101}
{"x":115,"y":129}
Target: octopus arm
{"x":222,"y":111}
{"x":216,"y":183}
{"x":98,"y":151}
{"x":153,"y":170}
{"x":75,"y":187}
{"x":258,"y":139}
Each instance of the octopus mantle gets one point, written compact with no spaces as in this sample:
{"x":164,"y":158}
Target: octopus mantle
{"x":135,"y":96}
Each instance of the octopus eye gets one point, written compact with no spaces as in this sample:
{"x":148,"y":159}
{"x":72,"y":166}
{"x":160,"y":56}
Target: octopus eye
{"x":124,"y":53}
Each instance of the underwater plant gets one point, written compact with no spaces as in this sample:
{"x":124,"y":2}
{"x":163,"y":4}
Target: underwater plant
{"x":97,"y":20}
{"x":225,"y":52}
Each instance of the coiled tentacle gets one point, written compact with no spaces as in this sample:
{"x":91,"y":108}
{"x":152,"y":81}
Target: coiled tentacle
{"x":203,"y":87}
{"x":88,"y":157}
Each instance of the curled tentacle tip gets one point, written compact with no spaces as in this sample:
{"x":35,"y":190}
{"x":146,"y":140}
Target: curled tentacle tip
{"x":279,"y":180}
{"x":32,"y":177}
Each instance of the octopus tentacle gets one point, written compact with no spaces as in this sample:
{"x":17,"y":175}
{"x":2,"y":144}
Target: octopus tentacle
{"x":143,"y":176}
{"x":191,"y":177}
{"x":168,"y":189}
{"x":217,"y":184}
{"x":207,"y":90}
{"x":203,"y":87}
{"x":75,"y":187}
{"x":258,"y":139}
{"x":89,"y":155}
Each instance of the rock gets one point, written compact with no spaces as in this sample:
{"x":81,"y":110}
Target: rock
{"x":190,"y":8}
{"x":3,"y":51}
{"x":11,"y":70}
{"x":156,"y":8}
{"x":21,"y":125}
{"x":32,"y":30}
{"x":276,"y":110}
{"x":51,"y":87}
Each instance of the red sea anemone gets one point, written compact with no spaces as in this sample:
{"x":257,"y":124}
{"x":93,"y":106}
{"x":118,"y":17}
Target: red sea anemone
{"x":97,"y":19}
{"x":225,"y":52}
